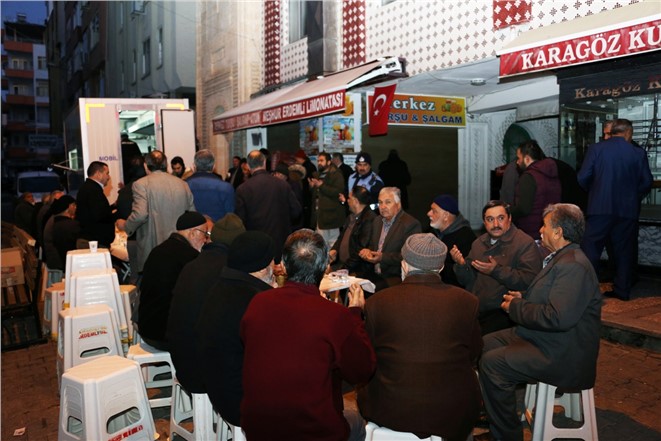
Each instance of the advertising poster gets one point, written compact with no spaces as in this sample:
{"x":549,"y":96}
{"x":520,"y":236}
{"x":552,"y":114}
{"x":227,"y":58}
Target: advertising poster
{"x":338,"y":133}
{"x":309,"y":130}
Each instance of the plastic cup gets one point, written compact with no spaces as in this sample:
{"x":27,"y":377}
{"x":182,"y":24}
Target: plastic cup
{"x":94,"y":245}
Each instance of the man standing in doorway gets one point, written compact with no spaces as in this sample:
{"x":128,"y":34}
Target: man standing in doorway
{"x":616,"y":175}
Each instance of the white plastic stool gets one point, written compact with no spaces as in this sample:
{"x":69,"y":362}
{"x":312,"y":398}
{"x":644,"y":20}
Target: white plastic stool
{"x":226,"y":431}
{"x":48,"y":278}
{"x":129,"y":295}
{"x":99,"y":286}
{"x":86,"y":333}
{"x":186,"y":406}
{"x":78,"y":260}
{"x":154,"y":362}
{"x":53,"y":304}
{"x":379,"y":433}
{"x":105,"y":400}
{"x":577,"y":406}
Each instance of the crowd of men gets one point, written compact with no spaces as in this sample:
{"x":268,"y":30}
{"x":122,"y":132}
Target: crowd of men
{"x":519,"y":303}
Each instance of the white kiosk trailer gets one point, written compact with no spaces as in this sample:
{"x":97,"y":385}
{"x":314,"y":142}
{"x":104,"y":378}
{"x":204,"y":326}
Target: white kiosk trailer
{"x":93,"y":133}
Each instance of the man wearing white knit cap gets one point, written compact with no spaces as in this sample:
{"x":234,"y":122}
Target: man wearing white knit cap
{"x":427,"y":339}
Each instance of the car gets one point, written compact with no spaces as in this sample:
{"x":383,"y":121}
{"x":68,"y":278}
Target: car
{"x":38,"y":183}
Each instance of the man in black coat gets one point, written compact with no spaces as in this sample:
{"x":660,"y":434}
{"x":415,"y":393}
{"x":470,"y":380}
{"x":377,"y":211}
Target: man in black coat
{"x":189,"y":295}
{"x":453,"y":229}
{"x":249,"y":271}
{"x":66,"y":229}
{"x":93,"y":209}
{"x":395,"y":173}
{"x":160,"y":274}
{"x":266,"y":203}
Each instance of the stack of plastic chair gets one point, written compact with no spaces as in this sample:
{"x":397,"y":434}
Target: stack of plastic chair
{"x":85,"y":334}
{"x":53,"y":304}
{"x":379,"y":433}
{"x":78,"y":260}
{"x":577,"y":406}
{"x":187,"y":406}
{"x":154,"y":363}
{"x":105,"y":400}
{"x":100,"y":286}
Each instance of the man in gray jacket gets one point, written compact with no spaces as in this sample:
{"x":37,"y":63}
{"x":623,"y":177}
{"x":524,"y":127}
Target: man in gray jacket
{"x":158,"y":200}
{"x":556,"y":340}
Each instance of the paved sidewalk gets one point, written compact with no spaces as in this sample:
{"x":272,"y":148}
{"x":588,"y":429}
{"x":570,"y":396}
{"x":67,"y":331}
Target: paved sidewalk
{"x":627,"y":394}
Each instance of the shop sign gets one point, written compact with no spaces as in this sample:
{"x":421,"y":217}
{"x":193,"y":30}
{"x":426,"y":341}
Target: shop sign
{"x":643,"y":80}
{"x":426,"y":110}
{"x":331,"y":102}
{"x":318,"y":105}
{"x":643,"y":37}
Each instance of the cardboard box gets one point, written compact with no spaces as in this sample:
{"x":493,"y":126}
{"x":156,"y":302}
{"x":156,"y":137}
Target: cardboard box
{"x":12,"y":267}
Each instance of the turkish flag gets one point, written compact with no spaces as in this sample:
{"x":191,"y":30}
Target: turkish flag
{"x":381,"y":109}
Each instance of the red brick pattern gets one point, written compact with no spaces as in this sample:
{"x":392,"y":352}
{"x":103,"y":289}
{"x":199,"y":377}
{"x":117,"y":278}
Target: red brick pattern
{"x":272,"y":30}
{"x":507,"y":12}
{"x":353,"y":33}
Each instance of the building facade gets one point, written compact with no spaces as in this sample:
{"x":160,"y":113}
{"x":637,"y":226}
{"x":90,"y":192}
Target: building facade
{"x":25,"y":101}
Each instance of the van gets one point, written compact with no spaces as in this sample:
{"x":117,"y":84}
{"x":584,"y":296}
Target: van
{"x":38,"y":183}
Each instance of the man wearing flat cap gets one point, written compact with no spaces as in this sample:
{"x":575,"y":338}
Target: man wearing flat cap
{"x":217,"y":341}
{"x":189,"y":295}
{"x":449,"y":225}
{"x":427,"y":340}
{"x":365,"y":177}
{"x":160,"y":274}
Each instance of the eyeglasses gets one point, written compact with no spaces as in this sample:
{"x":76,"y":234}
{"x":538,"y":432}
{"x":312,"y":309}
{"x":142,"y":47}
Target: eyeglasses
{"x":206,"y":233}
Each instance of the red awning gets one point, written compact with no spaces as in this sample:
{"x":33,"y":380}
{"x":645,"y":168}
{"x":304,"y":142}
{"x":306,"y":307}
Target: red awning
{"x":313,"y":98}
{"x":610,"y":34}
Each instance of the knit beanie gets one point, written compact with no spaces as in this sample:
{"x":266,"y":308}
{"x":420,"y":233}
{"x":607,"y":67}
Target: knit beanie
{"x":251,"y":251}
{"x":300,"y":154}
{"x":447,"y":203}
{"x":227,"y":228}
{"x":424,"y":251}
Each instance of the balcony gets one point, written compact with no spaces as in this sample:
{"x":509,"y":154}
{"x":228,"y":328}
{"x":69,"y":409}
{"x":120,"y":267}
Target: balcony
{"x":17,"y":46}
{"x":24,"y":100}
{"x":19,"y":73}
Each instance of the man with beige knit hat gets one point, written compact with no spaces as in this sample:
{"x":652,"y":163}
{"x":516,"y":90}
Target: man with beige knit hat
{"x":189,"y":295}
{"x":427,"y":339}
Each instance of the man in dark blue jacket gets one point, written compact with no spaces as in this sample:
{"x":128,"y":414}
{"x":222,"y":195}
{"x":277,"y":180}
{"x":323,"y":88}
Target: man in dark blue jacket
{"x":616,"y":175}
{"x":212,"y":196}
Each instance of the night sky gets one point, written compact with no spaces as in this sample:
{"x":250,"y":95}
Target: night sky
{"x":35,"y":10}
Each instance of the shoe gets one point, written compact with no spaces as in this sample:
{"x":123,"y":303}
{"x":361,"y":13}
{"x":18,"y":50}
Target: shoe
{"x":612,"y":294}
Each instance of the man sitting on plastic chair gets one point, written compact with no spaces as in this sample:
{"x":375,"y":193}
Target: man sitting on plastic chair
{"x":556,"y":340}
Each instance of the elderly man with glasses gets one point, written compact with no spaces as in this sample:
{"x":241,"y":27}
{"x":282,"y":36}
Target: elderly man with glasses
{"x":161,"y":272}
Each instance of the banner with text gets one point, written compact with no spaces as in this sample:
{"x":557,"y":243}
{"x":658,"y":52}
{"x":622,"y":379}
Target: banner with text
{"x":425,"y":110}
{"x":603,"y":45}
